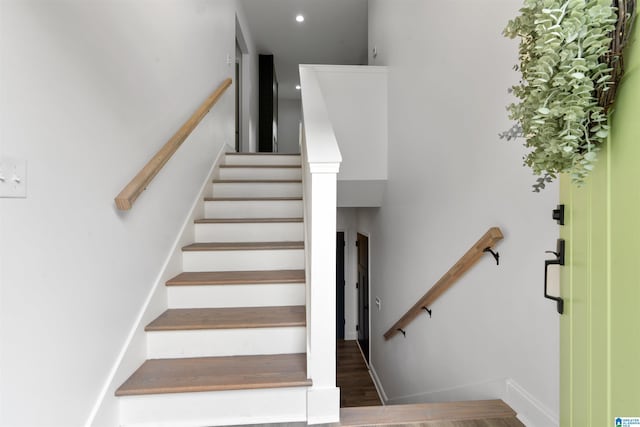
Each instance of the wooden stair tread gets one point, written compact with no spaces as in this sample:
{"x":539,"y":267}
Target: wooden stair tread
{"x":228,"y":318}
{"x":257,"y":181}
{"x":251,"y":199}
{"x":422,"y":412}
{"x":158,"y":376}
{"x":239,"y":246}
{"x":203,"y":278}
{"x":245,"y":220}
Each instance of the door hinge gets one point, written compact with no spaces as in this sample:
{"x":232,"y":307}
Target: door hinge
{"x":357,"y":243}
{"x":356,"y":285}
{"x":357,"y":327}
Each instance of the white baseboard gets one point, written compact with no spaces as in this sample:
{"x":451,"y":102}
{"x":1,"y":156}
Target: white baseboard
{"x":133,"y":352}
{"x":531,"y":412}
{"x":378,"y":384}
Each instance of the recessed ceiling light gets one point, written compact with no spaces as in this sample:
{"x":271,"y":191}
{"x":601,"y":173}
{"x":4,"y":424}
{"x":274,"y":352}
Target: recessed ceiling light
{"x":300,"y":18}
{"x":297,"y":87}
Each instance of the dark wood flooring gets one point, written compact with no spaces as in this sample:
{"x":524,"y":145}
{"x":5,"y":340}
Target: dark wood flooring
{"x":353,"y":378}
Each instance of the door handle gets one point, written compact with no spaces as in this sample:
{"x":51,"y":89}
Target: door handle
{"x":559,"y":253}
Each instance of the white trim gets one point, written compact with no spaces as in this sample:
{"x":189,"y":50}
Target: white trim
{"x":324,"y":167}
{"x":531,"y":412}
{"x":319,"y":137}
{"x":378,"y":384}
{"x":139,"y":323}
{"x":323,"y":405}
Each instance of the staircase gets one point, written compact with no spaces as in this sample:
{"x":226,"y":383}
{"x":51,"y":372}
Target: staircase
{"x":231,"y":348}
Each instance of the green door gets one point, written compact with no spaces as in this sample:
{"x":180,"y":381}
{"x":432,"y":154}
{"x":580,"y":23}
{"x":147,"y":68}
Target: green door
{"x":600,"y":327}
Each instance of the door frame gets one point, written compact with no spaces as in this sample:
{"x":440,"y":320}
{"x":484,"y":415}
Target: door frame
{"x":366,"y":353}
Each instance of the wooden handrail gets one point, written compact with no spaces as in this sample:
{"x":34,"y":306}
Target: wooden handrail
{"x":139,"y":183}
{"x":490,"y":238}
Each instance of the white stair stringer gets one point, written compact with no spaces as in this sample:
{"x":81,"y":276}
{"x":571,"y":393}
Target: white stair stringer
{"x":242,"y":295}
{"x":215,"y":408}
{"x":226,"y":342}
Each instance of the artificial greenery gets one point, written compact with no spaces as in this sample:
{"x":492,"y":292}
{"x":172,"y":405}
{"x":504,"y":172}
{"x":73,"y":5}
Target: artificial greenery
{"x":562,"y":46}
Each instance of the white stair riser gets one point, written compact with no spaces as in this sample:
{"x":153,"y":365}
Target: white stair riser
{"x":260,"y":173}
{"x":261,"y":159}
{"x":250,"y":232}
{"x":243,"y":260}
{"x":217,"y":408}
{"x":253,"y":209}
{"x":249,"y":295}
{"x":257,"y":189}
{"x":226,"y":342}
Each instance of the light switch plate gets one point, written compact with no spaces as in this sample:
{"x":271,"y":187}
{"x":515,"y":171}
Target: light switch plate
{"x":13,"y":177}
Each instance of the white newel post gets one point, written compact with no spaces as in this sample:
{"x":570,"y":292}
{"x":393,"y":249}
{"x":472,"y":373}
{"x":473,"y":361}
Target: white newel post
{"x":323,"y":398}
{"x":321,"y":163}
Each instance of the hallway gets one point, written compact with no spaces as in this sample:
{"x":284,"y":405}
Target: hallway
{"x":353,"y":378}
{"x":357,"y":390}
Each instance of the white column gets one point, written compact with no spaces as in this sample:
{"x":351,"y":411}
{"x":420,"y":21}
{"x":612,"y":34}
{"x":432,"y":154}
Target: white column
{"x":323,"y":401}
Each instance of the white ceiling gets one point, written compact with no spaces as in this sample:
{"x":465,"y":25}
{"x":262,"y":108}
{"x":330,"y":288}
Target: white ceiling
{"x":333,"y":32}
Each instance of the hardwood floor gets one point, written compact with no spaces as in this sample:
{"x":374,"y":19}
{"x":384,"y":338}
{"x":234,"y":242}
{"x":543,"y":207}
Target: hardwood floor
{"x":356,"y":385}
{"x":479,"y":413}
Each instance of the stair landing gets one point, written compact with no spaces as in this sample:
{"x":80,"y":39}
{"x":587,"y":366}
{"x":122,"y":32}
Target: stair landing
{"x":480,"y":413}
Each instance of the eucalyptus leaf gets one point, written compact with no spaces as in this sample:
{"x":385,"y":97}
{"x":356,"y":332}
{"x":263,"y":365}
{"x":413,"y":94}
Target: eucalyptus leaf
{"x":561,"y":46}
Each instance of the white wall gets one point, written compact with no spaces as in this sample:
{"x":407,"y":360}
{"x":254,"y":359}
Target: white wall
{"x":450,"y":179}
{"x":249,"y":130}
{"x":289,"y":117}
{"x":356,"y":100}
{"x":88,"y":92}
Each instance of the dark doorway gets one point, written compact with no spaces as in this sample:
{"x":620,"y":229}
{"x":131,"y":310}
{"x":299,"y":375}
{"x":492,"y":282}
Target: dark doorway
{"x":267,"y":105}
{"x":340,"y":244}
{"x":362,"y":244}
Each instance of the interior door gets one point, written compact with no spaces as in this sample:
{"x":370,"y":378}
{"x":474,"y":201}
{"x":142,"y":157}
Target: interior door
{"x":600,"y":283}
{"x":362,"y":243}
{"x":340,"y":244}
